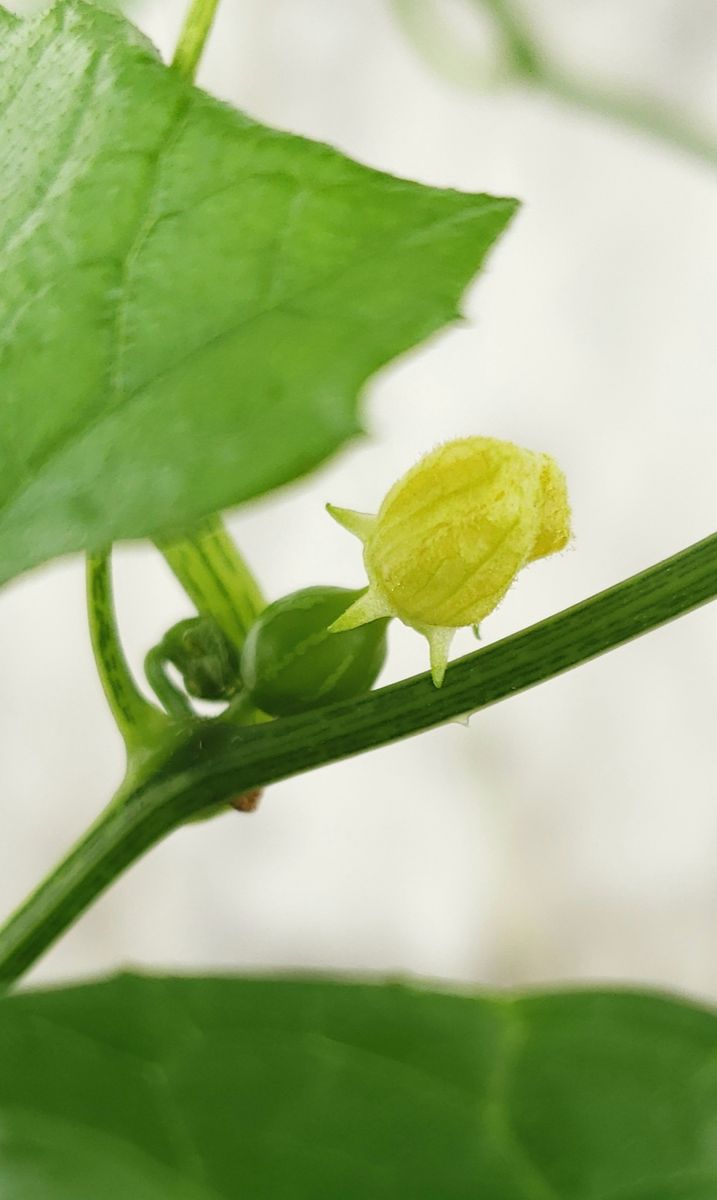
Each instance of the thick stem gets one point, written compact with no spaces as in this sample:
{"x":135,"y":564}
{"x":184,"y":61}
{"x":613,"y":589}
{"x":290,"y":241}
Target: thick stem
{"x":139,"y":722}
{"x":192,"y":39}
{"x":122,"y":833}
{"x":216,"y":578}
{"x":217,"y":761}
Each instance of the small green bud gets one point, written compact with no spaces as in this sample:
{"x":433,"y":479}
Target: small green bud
{"x":204,"y":657}
{"x":291,"y":663}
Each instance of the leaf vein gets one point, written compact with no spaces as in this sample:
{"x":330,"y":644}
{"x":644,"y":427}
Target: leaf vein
{"x":88,"y":83}
{"x":82,"y":427}
{"x":533,"y":1179}
{"x":144,"y":228}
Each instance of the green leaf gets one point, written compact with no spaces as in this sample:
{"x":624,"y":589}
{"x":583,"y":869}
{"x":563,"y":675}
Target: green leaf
{"x":210,"y":1088}
{"x":191,"y":301}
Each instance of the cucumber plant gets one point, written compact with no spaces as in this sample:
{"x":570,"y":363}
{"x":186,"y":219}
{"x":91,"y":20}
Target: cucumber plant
{"x":191,"y":305}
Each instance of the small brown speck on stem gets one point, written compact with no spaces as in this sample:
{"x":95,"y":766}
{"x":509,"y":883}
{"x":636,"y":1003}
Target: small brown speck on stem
{"x":247,"y":802}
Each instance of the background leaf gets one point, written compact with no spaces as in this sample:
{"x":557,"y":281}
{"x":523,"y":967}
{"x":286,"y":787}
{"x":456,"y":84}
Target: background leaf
{"x":210,"y":1088}
{"x":191,"y":301}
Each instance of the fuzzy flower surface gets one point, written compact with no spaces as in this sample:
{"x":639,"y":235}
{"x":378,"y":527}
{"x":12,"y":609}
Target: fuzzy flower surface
{"x":452,"y":534}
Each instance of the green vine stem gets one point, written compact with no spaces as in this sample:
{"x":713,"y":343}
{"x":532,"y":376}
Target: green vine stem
{"x":523,"y":60}
{"x":193,"y":37}
{"x":643,"y":115}
{"x":214,"y":575}
{"x":206,"y":561}
{"x":217,"y":761}
{"x":174,"y":701}
{"x":140,"y":723}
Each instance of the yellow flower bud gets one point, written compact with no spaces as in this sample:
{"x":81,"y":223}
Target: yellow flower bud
{"x":452,"y":534}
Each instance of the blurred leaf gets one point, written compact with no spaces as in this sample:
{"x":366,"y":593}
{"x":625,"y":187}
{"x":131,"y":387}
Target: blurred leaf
{"x":204,"y":1089}
{"x":191,"y":301}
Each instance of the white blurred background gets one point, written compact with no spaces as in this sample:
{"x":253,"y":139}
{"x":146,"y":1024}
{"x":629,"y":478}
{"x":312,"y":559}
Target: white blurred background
{"x":571,"y":833}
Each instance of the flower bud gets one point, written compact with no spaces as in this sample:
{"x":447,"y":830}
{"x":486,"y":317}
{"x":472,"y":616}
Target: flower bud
{"x":205,"y":658}
{"x":291,"y":663}
{"x":452,"y":534}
